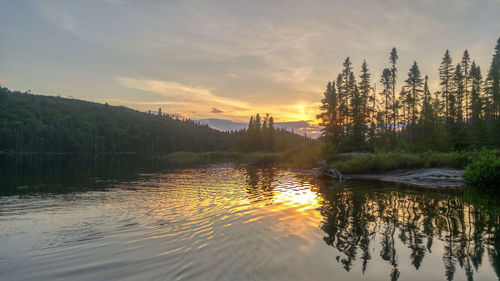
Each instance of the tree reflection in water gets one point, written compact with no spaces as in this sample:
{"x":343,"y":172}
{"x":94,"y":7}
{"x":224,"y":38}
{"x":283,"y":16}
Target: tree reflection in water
{"x":359,"y":214}
{"x":259,"y":182}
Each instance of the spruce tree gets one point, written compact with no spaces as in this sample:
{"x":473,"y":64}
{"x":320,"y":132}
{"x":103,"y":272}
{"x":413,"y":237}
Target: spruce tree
{"x":364,"y":90}
{"x":372,"y":100}
{"x":264,"y":133}
{"x":459,"y":90}
{"x":414,"y":84}
{"x":465,"y":65}
{"x":494,"y":81}
{"x":347,"y":93}
{"x":358,"y":118}
{"x":258,"y":132}
{"x":427,"y":114}
{"x":446,"y":75}
{"x":405,"y":103}
{"x":476,"y":102}
{"x":250,"y":134}
{"x":386,"y":81}
{"x":394,"y":75}
{"x":271,"y":133}
{"x":494,"y":95}
{"x":329,"y":114}
{"x":342,"y":104}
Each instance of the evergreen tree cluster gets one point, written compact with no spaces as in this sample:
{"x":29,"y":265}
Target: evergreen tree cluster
{"x":261,"y":135}
{"x":36,"y":123}
{"x":463,"y":114}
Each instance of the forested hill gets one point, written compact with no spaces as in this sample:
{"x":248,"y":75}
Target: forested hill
{"x":36,"y":123}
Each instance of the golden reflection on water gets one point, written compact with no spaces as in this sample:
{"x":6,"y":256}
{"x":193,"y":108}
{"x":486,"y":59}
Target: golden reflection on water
{"x":246,"y":223}
{"x":298,"y":196}
{"x":289,"y":207}
{"x":283,"y":209}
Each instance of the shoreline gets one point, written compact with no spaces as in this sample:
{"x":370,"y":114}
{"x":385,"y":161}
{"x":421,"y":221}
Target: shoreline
{"x":421,"y":177}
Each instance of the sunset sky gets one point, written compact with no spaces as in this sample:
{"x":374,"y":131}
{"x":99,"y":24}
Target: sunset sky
{"x":228,"y":59}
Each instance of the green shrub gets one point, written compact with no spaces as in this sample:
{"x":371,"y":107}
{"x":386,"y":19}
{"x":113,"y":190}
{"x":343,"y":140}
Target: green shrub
{"x":485,"y":199}
{"x":484,"y":170}
{"x":305,"y":157}
{"x":456,"y":160}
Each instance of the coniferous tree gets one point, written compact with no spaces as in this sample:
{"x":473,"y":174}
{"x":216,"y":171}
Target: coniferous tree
{"x":459,"y":90}
{"x":358,"y":119}
{"x":329,"y":115}
{"x":414,"y":84}
{"x":365,"y":99}
{"x":352,"y":88}
{"x":465,"y":65}
{"x":446,"y":75}
{"x":494,"y":81}
{"x":386,"y":81}
{"x":477,"y":106}
{"x":427,"y":113}
{"x":264,"y":132}
{"x":250,"y":133}
{"x":342,"y":104}
{"x":257,"y":143}
{"x":493,"y":85}
{"x":476,"y":102}
{"x":405,"y":104}
{"x":365,"y":89}
{"x":373,"y":109}
{"x":346,"y":94}
{"x":271,"y":133}
{"x":394,"y":74}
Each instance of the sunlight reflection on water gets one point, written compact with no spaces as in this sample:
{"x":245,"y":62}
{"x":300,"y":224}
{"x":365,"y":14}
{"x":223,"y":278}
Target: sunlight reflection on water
{"x":225,"y":223}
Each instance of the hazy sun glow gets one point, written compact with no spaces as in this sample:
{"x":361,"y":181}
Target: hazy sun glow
{"x":228,"y":60}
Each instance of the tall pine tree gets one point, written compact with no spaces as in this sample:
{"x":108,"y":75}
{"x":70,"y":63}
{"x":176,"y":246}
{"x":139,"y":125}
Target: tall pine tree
{"x":414,"y":84}
{"x":446,"y":75}
{"x":394,"y":75}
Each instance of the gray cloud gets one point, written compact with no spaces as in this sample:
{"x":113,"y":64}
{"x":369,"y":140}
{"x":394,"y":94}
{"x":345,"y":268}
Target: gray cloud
{"x":216,"y":110}
{"x":273,"y":56}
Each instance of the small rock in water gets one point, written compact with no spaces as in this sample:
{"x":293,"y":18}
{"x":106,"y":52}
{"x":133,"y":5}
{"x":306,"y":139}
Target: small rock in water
{"x":325,"y":172}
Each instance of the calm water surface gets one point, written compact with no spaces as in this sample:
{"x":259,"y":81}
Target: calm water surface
{"x":240,"y":223}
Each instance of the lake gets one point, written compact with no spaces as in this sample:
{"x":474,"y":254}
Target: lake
{"x":119,"y":220}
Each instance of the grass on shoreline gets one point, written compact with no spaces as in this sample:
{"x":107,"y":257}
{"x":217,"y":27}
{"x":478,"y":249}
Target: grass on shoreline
{"x":307,"y":158}
{"x":481,"y":166}
{"x":389,"y":161}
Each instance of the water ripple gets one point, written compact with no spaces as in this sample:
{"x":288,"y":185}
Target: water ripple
{"x":218,"y":223}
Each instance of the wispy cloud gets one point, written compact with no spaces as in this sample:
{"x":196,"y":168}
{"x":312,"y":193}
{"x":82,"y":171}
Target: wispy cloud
{"x":237,"y":57}
{"x":3,"y":79}
{"x":216,"y":110}
{"x":180,"y":91}
{"x":179,"y":97}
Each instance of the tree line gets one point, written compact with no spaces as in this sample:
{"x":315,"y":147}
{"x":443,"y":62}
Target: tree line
{"x":463,"y":114}
{"x":36,"y":123}
{"x":48,"y":124}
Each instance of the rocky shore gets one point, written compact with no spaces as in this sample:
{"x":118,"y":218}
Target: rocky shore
{"x":430,"y":178}
{"x":433,"y":177}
